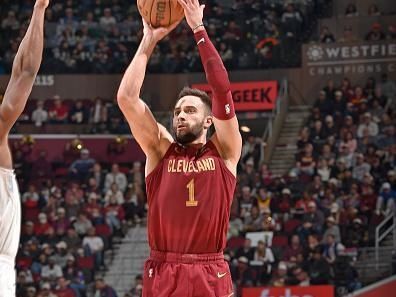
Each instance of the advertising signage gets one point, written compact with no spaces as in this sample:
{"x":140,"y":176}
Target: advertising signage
{"x":357,"y":58}
{"x":250,"y":96}
{"x":310,"y":291}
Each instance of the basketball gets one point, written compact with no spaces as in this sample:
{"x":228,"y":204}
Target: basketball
{"x":160,"y":13}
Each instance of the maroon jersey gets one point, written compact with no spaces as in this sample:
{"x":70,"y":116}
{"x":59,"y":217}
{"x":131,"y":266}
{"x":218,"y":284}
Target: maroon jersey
{"x":189,"y":196}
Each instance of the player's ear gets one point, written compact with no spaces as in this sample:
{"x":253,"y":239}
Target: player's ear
{"x":208,"y":122}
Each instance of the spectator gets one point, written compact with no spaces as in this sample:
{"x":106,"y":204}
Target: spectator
{"x":242,"y":275}
{"x":10,"y":23}
{"x":246,"y":251}
{"x":357,"y":235}
{"x":98,"y":114}
{"x":347,"y":35}
{"x":326,"y":36}
{"x":280,"y":278}
{"x":264,"y":254}
{"x":291,"y":20}
{"x":301,"y":277}
{"x":361,"y":168}
{"x":323,"y":170}
{"x":59,"y":112}
{"x":80,"y":169}
{"x":306,"y":162}
{"x":46,"y":290}
{"x":376,"y":33}
{"x":82,"y":224}
{"x":114,"y":213}
{"x":94,"y":210}
{"x":103,"y":290}
{"x":351,"y":10}
{"x":115,"y":176}
{"x":43,"y":227}
{"x":79,"y":113}
{"x":332,"y":249}
{"x":114,"y":193}
{"x":263,"y":199}
{"x":39,"y":115}
{"x":293,"y":249}
{"x":388,"y":89}
{"x":319,"y":272}
{"x":368,"y":124}
{"x":373,"y":10}
{"x":52,"y":271}
{"x":62,"y":254}
{"x":72,"y":240}
{"x":246,"y":202}
{"x":107,"y":20}
{"x":136,"y":291}
{"x":235,"y":226}
{"x":313,"y":218}
{"x":323,"y":103}
{"x":93,"y":245}
{"x":63,"y":289}
{"x":386,"y":199}
{"x":332,"y":228}
{"x":31,"y":197}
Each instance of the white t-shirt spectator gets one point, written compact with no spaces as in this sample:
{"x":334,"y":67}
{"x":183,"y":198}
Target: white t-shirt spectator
{"x":53,"y":272}
{"x":39,"y":117}
{"x":118,"y":178}
{"x":95,"y":243}
{"x":372,"y":129}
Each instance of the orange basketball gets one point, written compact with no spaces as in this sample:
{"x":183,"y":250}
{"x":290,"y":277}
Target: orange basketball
{"x":160,"y":13}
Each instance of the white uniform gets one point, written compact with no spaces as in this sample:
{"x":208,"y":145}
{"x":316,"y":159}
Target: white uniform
{"x":10,"y":229}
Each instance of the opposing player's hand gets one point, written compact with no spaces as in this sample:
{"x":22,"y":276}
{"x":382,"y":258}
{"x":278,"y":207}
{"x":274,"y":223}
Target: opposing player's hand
{"x":42,"y":3}
{"x":193,"y":12}
{"x":156,"y":34}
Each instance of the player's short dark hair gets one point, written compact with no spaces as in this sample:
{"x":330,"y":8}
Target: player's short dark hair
{"x":187,"y":91}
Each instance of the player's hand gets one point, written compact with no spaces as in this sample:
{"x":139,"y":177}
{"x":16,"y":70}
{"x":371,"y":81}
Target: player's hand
{"x":193,"y":12}
{"x":156,"y":34}
{"x":42,"y":3}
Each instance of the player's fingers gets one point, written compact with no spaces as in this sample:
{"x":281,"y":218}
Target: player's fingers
{"x":202,"y":7}
{"x":144,"y":22}
{"x":183,"y":3}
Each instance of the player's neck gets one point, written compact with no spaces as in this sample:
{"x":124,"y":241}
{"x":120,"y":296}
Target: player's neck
{"x":195,"y":144}
{"x":198,"y":143}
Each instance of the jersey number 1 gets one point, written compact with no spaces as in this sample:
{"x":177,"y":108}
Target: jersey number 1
{"x":191,"y":195}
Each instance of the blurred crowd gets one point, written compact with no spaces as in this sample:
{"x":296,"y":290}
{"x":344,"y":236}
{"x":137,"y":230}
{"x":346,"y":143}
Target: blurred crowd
{"x":342,"y":185}
{"x":101,"y":36}
{"x":377,"y":31}
{"x":71,"y":220}
{"x":99,"y":115}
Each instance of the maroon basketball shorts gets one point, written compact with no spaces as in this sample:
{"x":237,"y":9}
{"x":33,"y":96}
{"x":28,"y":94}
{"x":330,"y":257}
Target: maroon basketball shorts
{"x":186,"y":275}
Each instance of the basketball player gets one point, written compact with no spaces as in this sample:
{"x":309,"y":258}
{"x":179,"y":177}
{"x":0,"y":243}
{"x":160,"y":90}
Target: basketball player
{"x":190,"y":181}
{"x":24,"y":70}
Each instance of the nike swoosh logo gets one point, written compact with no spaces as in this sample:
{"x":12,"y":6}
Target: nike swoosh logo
{"x":232,"y":294}
{"x":221,"y":275}
{"x":202,"y":40}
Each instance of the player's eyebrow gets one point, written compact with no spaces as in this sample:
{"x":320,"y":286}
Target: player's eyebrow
{"x":188,"y":106}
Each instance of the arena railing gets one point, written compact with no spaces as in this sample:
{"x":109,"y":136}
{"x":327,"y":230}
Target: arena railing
{"x":387,"y":226}
{"x":278,"y":115}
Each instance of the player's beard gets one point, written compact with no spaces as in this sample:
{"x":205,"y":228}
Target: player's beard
{"x":189,"y":135}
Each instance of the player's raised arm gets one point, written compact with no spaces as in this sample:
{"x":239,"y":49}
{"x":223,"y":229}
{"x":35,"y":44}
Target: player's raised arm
{"x":24,"y":70}
{"x":147,"y":132}
{"x":227,"y":137}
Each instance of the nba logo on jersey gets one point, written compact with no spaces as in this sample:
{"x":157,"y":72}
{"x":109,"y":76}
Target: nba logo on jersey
{"x":227,"y":109}
{"x":151,"y":272}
